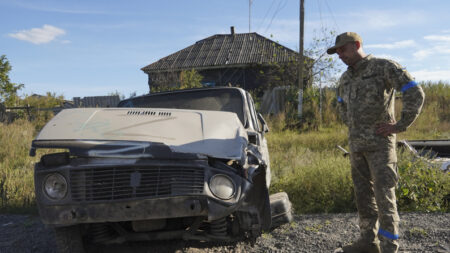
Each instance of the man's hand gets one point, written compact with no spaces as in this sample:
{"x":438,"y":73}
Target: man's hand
{"x":386,"y":128}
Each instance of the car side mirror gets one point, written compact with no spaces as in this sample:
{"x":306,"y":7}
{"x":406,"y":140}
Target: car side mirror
{"x":265,"y":127}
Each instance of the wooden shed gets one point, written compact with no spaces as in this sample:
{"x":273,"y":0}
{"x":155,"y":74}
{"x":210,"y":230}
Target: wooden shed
{"x":239,"y":59}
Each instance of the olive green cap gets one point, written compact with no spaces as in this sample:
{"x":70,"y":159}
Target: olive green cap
{"x":343,"y":39}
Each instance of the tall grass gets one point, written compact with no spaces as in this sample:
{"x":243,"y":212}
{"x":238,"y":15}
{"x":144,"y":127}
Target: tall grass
{"x":311,"y":170}
{"x":16,"y":167}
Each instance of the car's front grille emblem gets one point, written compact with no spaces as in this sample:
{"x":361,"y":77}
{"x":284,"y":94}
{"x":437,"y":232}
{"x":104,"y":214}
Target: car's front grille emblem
{"x":135,"y":179}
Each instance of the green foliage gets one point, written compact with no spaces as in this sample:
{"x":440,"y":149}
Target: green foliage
{"x":319,"y":107}
{"x":323,"y":67}
{"x":319,"y":110}
{"x":187,"y":79}
{"x":311,"y":113}
{"x":309,"y":168}
{"x":190,"y":79}
{"x":317,"y":177}
{"x":422,"y":187}
{"x":121,"y":96}
{"x":8,"y":90}
{"x":41,"y":106}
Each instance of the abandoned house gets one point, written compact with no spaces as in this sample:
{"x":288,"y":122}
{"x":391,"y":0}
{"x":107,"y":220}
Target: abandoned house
{"x":247,"y":60}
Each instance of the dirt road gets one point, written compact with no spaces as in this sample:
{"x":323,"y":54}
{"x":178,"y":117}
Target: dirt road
{"x":420,"y":232}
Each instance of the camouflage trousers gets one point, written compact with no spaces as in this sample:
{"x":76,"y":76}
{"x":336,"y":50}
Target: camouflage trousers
{"x":374,"y":177}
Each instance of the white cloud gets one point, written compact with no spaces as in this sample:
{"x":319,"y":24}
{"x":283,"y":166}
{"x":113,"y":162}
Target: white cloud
{"x":391,"y":57}
{"x":432,"y":75}
{"x":439,"y":45}
{"x":283,"y":30}
{"x":39,"y":35}
{"x":438,"y":38}
{"x":379,"y":20}
{"x":395,"y":45}
{"x":422,"y":54}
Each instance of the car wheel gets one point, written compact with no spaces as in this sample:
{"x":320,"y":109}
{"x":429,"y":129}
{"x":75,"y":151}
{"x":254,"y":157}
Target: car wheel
{"x":280,"y":209}
{"x":69,"y":239}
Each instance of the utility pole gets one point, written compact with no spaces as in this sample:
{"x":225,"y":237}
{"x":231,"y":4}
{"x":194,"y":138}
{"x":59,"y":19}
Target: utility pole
{"x":249,"y":14}
{"x":300,"y":59}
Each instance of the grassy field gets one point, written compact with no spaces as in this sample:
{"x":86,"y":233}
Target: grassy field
{"x":305,"y":164}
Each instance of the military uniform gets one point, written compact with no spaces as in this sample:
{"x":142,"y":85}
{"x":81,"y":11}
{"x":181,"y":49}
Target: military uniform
{"x":366,"y":96}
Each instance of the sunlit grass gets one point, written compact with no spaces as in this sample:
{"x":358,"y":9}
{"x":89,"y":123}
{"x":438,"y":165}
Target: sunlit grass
{"x":16,"y":167}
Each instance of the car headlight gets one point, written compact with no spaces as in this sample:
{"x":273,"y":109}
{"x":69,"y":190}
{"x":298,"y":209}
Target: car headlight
{"x":55,"y":186}
{"x":222,"y":186}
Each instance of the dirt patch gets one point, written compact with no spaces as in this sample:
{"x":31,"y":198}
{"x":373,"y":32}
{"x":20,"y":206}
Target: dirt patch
{"x":420,"y":232}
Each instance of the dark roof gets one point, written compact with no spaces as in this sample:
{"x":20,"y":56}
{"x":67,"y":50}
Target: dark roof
{"x":224,"y":50}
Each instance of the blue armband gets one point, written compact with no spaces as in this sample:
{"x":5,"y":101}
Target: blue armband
{"x":387,"y":234}
{"x":340,"y":100}
{"x":408,"y":85}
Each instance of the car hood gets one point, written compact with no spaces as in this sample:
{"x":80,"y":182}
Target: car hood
{"x":211,"y":133}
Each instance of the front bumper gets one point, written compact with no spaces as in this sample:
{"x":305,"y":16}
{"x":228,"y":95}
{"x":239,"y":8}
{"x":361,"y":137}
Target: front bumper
{"x":93,"y":196}
{"x":124,"y":211}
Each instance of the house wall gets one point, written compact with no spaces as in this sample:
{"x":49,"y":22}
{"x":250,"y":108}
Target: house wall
{"x":251,"y":77}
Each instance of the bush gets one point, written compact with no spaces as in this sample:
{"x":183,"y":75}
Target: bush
{"x":421,"y":187}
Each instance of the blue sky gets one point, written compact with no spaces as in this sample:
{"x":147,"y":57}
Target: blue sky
{"x":95,"y":47}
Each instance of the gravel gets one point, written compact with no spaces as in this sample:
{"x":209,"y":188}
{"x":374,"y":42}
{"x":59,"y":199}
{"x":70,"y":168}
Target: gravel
{"x":420,"y":232}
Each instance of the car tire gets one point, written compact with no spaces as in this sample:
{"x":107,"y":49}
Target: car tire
{"x":69,"y":239}
{"x":281,"y":209}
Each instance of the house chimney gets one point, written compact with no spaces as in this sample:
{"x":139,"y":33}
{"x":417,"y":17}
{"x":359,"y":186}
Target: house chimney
{"x":232,"y":30}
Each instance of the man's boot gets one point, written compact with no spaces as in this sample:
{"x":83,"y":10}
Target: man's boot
{"x":389,"y":246}
{"x":362,"y":246}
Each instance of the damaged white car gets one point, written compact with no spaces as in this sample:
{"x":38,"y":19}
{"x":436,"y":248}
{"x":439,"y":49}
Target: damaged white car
{"x":190,"y":164}
{"x":436,"y":153}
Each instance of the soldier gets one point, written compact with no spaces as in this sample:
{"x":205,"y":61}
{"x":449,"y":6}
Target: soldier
{"x":366,"y":95}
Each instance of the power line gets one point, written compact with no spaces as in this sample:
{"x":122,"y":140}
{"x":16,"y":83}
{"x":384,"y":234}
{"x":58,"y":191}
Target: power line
{"x":332,"y":15}
{"x":279,"y":8}
{"x":265,"y":16}
{"x":320,"y":12}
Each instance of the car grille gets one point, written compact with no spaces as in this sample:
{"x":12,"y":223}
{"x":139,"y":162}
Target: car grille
{"x":93,"y":184}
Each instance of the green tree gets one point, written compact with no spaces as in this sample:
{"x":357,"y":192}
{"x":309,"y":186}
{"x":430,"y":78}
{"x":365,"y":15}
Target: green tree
{"x":41,"y":106}
{"x":323,"y":67}
{"x":190,"y":79}
{"x":186,"y":79}
{"x":8,"y":90}
{"x":117,"y":93}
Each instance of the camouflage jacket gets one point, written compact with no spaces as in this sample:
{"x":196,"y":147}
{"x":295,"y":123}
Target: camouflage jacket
{"x":366,"y":96}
